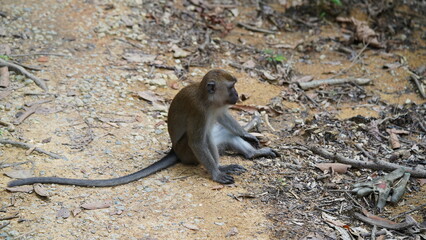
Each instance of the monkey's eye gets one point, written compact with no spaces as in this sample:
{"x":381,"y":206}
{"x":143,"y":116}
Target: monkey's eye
{"x":211,"y":87}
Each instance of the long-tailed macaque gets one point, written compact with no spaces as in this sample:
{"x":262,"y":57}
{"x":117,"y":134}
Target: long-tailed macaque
{"x":200,"y":127}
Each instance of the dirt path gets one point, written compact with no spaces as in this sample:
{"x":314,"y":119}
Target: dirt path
{"x":104,"y":130}
{"x":164,"y":206}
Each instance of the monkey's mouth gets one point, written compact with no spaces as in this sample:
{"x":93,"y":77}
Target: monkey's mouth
{"x":232,"y":101}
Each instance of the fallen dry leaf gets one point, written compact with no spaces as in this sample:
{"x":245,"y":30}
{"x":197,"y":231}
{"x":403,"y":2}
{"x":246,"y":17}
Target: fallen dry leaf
{"x":421,"y":181}
{"x":191,"y":226}
{"x":381,"y":237}
{"x":250,"y":64}
{"x":217,"y":187}
{"x":25,"y":188}
{"x":43,"y":59}
{"x":63,"y":213}
{"x":232,"y":232}
{"x":375,"y":217}
{"x":286,"y":46}
{"x":76,"y":211}
{"x":179,"y":52}
{"x":174,"y":85}
{"x":40,"y":190}
{"x":46,"y":140}
{"x":392,"y":65}
{"x":363,"y":32}
{"x":397,"y":131}
{"x":116,"y":212}
{"x":393,"y":138}
{"x":97,"y":205}
{"x":150,"y":97}
{"x":20,"y":173}
{"x":299,"y":79}
{"x":268,"y":76}
{"x":335,"y":167}
{"x":333,"y":220}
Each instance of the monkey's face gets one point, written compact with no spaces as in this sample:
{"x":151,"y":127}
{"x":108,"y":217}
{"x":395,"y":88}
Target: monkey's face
{"x":222,"y":93}
{"x":220,"y":86}
{"x":232,"y":94}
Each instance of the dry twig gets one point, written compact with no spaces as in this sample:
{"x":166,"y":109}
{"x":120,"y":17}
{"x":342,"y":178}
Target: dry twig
{"x":29,"y":146}
{"x":39,"y":82}
{"x":384,"y":224}
{"x":255,"y":122}
{"x":377,"y":165}
{"x":4,"y":224}
{"x":9,"y":217}
{"x":416,"y":78}
{"x":409,"y":211}
{"x":255,"y":29}
{"x":26,"y":114}
{"x":316,"y":83}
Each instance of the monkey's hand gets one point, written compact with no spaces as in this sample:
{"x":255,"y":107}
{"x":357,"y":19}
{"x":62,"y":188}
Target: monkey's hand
{"x":232,"y":169}
{"x":223,"y":178}
{"x":251,"y":139}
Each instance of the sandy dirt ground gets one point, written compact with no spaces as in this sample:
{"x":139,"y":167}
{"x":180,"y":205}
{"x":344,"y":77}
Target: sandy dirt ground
{"x":95,"y":120}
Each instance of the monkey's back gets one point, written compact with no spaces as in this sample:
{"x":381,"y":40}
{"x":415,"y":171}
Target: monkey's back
{"x":184,"y":104}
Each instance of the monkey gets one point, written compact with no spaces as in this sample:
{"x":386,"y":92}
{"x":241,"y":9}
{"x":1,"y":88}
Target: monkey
{"x":200,"y":129}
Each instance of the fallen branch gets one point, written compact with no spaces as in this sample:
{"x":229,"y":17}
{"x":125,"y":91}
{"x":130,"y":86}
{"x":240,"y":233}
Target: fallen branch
{"x":4,"y":224}
{"x":384,"y":224}
{"x":32,"y":108}
{"x":6,"y":165}
{"x":29,"y":111}
{"x":28,"y":67}
{"x":377,"y":165}
{"x":254,"y":123}
{"x":16,"y":215}
{"x":130,"y":43}
{"x":255,"y":29}
{"x":29,"y":146}
{"x":316,"y":83}
{"x":419,"y":85}
{"x":39,"y":82}
{"x":265,"y":115}
{"x":409,"y":211}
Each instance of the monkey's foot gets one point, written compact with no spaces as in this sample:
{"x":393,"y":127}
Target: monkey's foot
{"x":263,"y":152}
{"x":223,"y":178}
{"x":252,"y":140}
{"x":232,"y":169}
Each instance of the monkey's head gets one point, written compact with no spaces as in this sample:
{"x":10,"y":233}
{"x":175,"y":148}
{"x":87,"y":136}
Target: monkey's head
{"x":220,"y":87}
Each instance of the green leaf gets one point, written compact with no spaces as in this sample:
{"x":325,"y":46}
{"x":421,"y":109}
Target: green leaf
{"x":4,"y":57}
{"x":279,"y":58}
{"x":337,"y":2}
{"x":268,"y":51}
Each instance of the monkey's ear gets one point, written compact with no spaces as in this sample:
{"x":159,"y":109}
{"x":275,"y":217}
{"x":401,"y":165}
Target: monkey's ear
{"x":211,"y":87}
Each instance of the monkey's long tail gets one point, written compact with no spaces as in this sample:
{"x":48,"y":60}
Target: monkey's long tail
{"x":169,"y":160}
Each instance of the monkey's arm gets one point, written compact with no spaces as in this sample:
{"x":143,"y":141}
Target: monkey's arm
{"x":227,"y":121}
{"x":206,"y":153}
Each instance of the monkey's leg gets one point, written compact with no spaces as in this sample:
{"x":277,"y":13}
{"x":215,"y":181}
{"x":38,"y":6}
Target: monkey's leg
{"x":187,"y":156}
{"x":248,"y":151}
{"x":225,"y":139}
